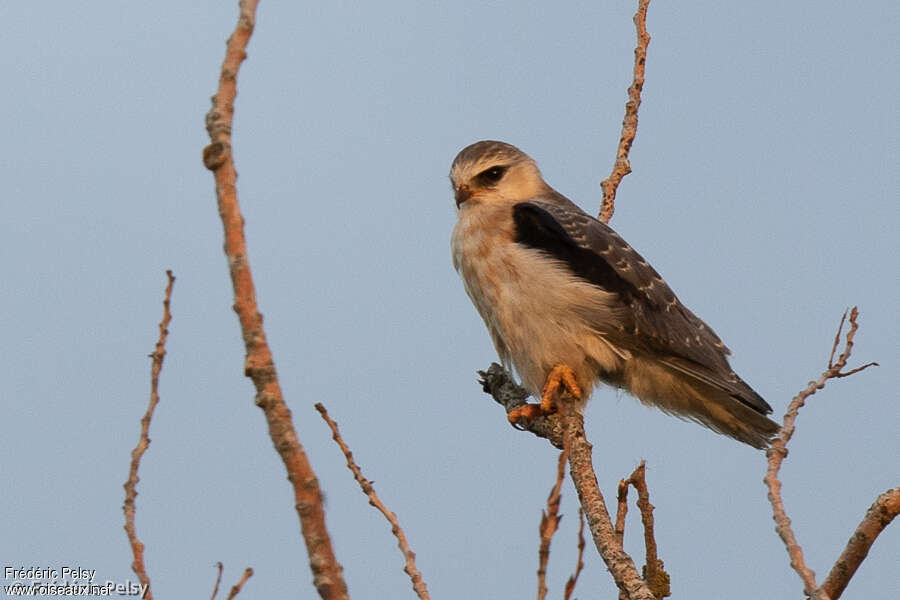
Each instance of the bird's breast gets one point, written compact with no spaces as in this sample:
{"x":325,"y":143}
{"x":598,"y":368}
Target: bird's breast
{"x":532,"y":304}
{"x":481,"y":247}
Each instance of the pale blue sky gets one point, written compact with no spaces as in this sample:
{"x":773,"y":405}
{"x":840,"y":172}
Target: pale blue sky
{"x":767,"y":170}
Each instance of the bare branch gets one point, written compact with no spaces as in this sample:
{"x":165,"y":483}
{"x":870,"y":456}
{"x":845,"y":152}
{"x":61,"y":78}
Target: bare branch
{"x":654,"y":573}
{"x":550,"y":519}
{"x":579,"y":565}
{"x":622,"y":166}
{"x":567,"y":429}
{"x":778,"y":451}
{"x":159,"y":353}
{"x":581,"y":468}
{"x":219,"y":568}
{"x":878,"y":517}
{"x":259,"y":365}
{"x":236,"y":588}
{"x":415,"y":576}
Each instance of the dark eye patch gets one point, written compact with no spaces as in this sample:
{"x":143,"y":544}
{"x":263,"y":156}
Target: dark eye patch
{"x":491,"y":176}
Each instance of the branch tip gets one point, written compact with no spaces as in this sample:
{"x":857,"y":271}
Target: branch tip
{"x":579,"y":565}
{"x":550,"y":519}
{"x":418,"y":583}
{"x":130,"y":485}
{"x":622,"y":165}
{"x":236,"y":588}
{"x":219,"y":568}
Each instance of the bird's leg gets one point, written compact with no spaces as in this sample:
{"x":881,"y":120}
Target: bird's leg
{"x":560,"y":375}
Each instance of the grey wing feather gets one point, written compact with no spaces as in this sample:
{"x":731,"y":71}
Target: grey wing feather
{"x":656,"y":320}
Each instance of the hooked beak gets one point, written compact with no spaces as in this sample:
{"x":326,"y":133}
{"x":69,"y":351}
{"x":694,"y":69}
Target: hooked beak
{"x":462,"y":194}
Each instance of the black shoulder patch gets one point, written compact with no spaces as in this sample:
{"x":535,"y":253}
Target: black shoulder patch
{"x":536,"y":228}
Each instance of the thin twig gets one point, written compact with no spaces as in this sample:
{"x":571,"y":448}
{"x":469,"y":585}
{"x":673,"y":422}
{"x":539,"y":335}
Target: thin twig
{"x":622,"y":166}
{"x":159,"y":353}
{"x":879,"y":516}
{"x":837,"y":339}
{"x":236,"y":588}
{"x":778,"y":451}
{"x":219,"y":567}
{"x":654,"y":572}
{"x":550,"y":519}
{"x":259,"y":365}
{"x":621,"y":513}
{"x":415,"y":576}
{"x":621,"y":510}
{"x":581,"y":468}
{"x":579,"y":565}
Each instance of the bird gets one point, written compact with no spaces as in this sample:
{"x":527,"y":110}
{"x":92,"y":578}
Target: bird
{"x":569,"y":304}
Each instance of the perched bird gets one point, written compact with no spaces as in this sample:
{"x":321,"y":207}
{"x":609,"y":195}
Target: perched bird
{"x":569,"y":303}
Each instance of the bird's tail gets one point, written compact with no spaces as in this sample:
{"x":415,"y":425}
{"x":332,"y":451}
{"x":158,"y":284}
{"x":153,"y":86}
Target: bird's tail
{"x":729,"y":407}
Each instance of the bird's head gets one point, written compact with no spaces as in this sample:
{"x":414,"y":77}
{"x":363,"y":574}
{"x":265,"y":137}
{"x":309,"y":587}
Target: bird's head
{"x":494,"y":172}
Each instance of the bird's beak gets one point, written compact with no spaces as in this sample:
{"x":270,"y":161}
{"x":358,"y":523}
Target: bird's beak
{"x":462,"y":194}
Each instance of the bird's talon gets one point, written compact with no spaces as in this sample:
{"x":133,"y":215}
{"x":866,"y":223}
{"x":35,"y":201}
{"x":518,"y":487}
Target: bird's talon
{"x":525,"y":414}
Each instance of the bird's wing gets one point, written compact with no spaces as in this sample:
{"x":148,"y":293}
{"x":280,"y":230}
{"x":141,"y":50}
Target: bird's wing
{"x":654,"y":319}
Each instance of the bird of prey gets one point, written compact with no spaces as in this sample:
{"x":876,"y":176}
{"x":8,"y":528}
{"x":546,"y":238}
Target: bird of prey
{"x":568,"y":303}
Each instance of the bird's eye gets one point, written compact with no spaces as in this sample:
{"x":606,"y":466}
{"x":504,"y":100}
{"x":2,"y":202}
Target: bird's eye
{"x":492,"y":175}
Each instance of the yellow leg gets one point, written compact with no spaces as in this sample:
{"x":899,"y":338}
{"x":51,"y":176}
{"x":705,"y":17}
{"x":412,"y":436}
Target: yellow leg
{"x":560,"y":375}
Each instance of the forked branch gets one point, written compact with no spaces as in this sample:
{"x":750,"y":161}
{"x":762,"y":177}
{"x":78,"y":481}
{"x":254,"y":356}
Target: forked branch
{"x":653,"y":572}
{"x":778,"y":452}
{"x":581,"y":469}
{"x":566,"y":429}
